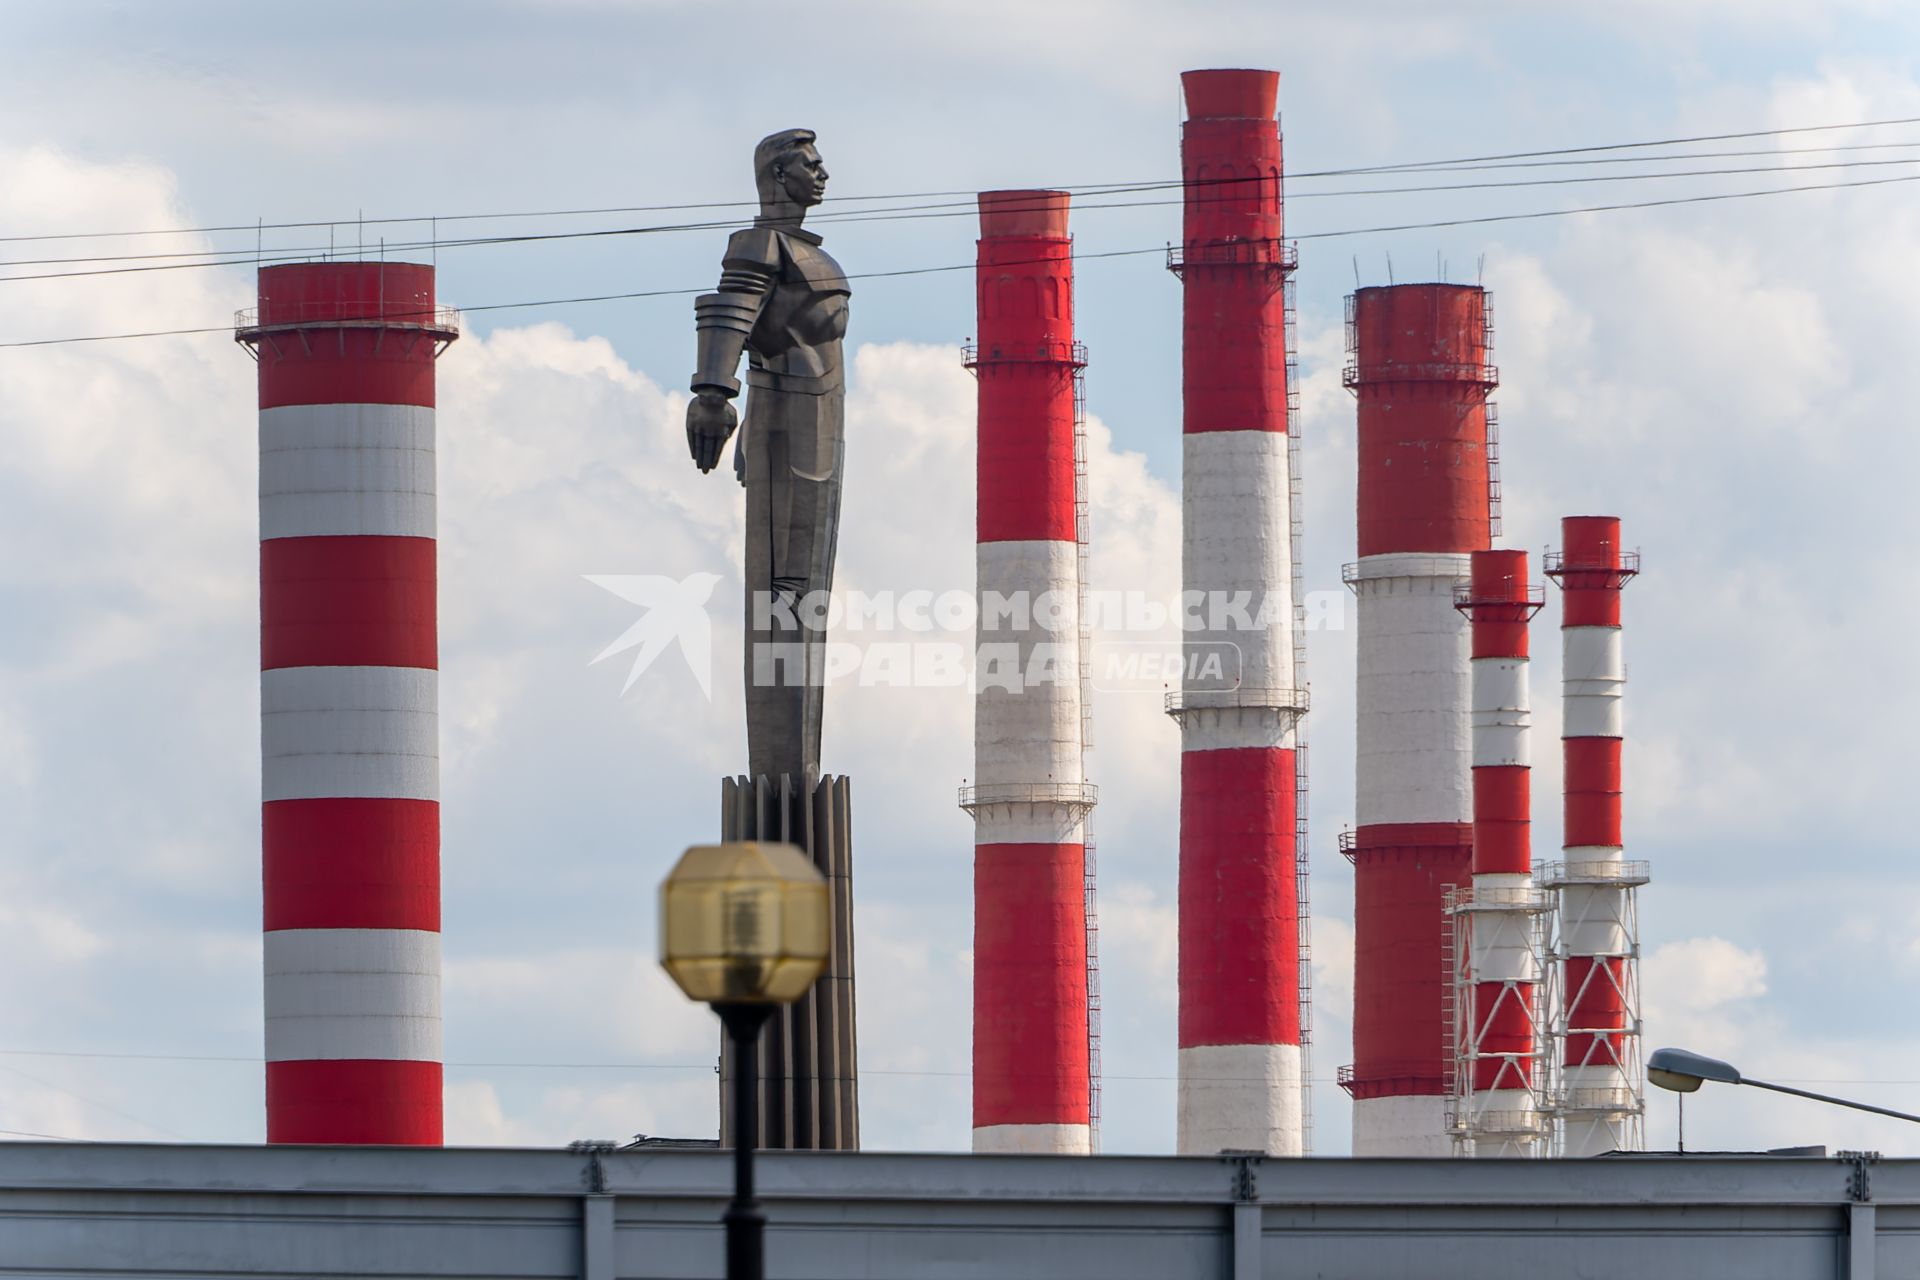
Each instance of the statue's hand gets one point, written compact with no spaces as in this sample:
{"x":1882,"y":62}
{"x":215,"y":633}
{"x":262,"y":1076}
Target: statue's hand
{"x":710,"y":423}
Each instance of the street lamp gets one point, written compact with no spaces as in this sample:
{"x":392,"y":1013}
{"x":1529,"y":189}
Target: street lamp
{"x":1684,"y":1071}
{"x":744,"y":927}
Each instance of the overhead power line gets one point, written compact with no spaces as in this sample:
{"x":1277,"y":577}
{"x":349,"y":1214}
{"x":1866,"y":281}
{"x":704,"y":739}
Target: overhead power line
{"x":93,"y":1102}
{"x":1665,"y":142}
{"x":708,"y":1066}
{"x":1078,"y":257}
{"x":50,"y":1137}
{"x":1078,"y":188}
{"x":249,"y":252}
{"x":228,"y":258}
{"x":246,"y":253}
{"x":1669,"y":158}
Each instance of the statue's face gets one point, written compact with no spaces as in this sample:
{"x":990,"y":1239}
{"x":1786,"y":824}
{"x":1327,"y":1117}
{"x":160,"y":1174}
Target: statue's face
{"x":804,"y":177}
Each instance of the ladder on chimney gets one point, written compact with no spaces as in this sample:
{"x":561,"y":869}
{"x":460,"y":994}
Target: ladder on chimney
{"x":1082,"y":531}
{"x":1296,"y":521}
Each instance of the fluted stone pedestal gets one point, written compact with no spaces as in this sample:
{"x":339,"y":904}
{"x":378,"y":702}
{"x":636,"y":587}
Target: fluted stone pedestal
{"x":809,"y":1074}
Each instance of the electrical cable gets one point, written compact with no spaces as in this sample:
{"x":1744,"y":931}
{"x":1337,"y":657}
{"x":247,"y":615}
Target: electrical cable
{"x":903,"y":213}
{"x":103,"y":1106}
{"x":1090,"y":188}
{"x":1662,"y":142}
{"x":1078,"y":257}
{"x":1664,"y":159}
{"x":244,"y":1060}
{"x":50,"y":1137}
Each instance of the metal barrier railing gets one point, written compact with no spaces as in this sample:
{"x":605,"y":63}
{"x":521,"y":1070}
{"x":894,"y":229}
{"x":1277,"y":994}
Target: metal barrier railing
{"x":1045,"y":351}
{"x":1480,"y":375}
{"x":1074,"y":795}
{"x":1474,"y":898}
{"x":1498,"y":1124}
{"x":349,"y":315}
{"x":1180,"y":701}
{"x":1232,"y":253}
{"x":1554,"y":563}
{"x":1596,"y":872}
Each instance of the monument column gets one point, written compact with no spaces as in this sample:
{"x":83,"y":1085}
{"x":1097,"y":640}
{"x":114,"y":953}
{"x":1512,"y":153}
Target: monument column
{"x":782,"y":304}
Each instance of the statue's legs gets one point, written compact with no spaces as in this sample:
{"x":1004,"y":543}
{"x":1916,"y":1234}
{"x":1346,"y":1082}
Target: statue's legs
{"x":793,"y":469}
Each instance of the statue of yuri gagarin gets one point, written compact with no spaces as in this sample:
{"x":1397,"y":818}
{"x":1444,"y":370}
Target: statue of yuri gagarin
{"x":783,"y":302}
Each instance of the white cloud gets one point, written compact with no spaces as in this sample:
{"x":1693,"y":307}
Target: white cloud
{"x":1696,"y":975}
{"x":616,"y":999}
{"x":1140,"y":929}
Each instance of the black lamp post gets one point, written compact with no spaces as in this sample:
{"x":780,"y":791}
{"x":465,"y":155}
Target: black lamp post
{"x":746,"y":1223}
{"x":744,"y":928}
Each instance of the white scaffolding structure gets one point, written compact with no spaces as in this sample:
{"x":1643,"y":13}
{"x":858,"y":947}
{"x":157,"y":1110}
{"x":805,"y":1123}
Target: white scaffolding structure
{"x":1484,"y":1121}
{"x":1599,"y":1097}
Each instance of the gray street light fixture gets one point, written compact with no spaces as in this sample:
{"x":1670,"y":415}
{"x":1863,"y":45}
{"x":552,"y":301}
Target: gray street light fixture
{"x":1684,"y":1071}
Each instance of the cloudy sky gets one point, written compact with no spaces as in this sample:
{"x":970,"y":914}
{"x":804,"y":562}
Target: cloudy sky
{"x":1732,"y":379}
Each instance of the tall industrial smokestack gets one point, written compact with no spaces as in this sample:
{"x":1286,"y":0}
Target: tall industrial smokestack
{"x":348,"y":700}
{"x":1420,"y":367}
{"x":1241,"y":1082}
{"x":1499,"y":918}
{"x":1029,"y":799}
{"x":1598,"y":946}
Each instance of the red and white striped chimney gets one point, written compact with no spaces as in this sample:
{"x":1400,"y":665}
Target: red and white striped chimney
{"x":1029,"y":798}
{"x":1240,"y":1082}
{"x":348,"y":700}
{"x":1599,"y":1019}
{"x":1499,"y":1009}
{"x":1420,"y":370}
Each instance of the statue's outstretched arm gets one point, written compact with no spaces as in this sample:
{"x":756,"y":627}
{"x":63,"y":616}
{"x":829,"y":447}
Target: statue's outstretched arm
{"x":722,"y":322}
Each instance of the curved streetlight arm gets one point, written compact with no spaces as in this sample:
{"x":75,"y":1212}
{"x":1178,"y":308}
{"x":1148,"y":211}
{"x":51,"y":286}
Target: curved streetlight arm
{"x":1822,"y":1097}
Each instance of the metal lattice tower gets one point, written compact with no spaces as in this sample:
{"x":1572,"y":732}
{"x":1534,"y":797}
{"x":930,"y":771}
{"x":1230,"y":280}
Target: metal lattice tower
{"x":1499,"y":1100}
{"x":1593,"y":1022}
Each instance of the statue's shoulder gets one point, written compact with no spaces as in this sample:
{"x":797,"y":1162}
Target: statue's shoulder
{"x":814,"y":265}
{"x":775,"y":251}
{"x":754,"y":247}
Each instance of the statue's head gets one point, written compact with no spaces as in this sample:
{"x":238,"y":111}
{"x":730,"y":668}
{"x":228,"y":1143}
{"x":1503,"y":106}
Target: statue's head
{"x":787,"y":169}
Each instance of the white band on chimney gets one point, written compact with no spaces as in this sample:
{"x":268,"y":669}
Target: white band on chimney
{"x":1502,"y":715}
{"x":1412,"y":1124}
{"x":1230,"y":1092}
{"x":330,"y":470}
{"x":1412,"y":745}
{"x":1028,"y":822}
{"x":1027,"y":699}
{"x":1593,"y":919}
{"x":1234,"y":555}
{"x":329,"y":732}
{"x":1593,"y":681}
{"x":1032,"y":1139}
{"x":352,"y":993}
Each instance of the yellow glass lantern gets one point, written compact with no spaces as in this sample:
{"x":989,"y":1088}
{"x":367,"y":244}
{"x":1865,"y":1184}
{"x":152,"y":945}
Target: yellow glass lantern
{"x":744,"y":923}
